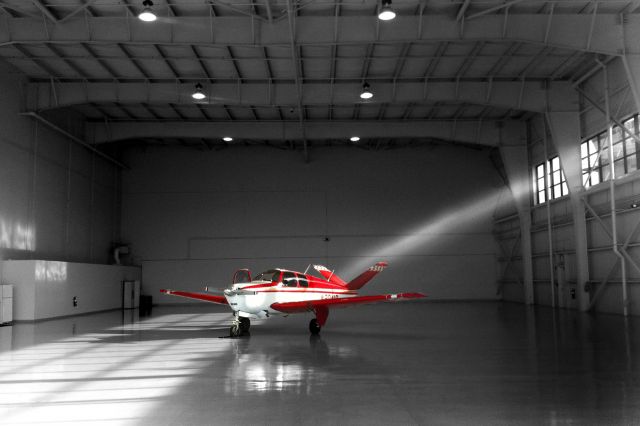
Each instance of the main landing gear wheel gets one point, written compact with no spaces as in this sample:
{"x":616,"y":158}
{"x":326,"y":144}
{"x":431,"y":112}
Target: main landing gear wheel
{"x":314,"y":327}
{"x":245,"y":323}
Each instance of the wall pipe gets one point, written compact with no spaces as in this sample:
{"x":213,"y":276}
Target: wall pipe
{"x":614,"y":223}
{"x":549,"y":227}
{"x":75,"y":139}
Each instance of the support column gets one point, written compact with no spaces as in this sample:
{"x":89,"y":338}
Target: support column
{"x":516,"y":164}
{"x":565,"y":134}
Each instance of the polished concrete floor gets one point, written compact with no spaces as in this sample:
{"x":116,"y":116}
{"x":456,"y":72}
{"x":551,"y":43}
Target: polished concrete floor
{"x":395,"y":364}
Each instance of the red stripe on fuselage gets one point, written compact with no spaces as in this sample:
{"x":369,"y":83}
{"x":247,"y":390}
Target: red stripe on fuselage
{"x":314,"y":283}
{"x":282,"y":289}
{"x":254,"y":286}
{"x":304,"y":290}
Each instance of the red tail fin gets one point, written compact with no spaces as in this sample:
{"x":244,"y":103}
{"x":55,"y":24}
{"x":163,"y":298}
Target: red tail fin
{"x":359,"y":281}
{"x":329,"y":275}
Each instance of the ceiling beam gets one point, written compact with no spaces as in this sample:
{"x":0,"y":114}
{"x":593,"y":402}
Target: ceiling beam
{"x":87,"y":4}
{"x":203,"y":66}
{"x":481,"y":132}
{"x":494,"y":9}
{"x":38,"y":61}
{"x":168,"y":63}
{"x":45,"y":11}
{"x":520,"y":95}
{"x":69,"y":63}
{"x":103,"y":63}
{"x":236,"y":9}
{"x":134,"y":61}
{"x":462,"y":10}
{"x":569,"y":31}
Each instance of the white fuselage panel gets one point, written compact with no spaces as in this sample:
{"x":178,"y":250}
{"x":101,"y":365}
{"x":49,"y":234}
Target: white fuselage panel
{"x":258,"y":301}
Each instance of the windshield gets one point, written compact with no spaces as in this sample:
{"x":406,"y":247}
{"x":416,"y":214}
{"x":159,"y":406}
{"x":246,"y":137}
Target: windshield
{"x":270,"y":275}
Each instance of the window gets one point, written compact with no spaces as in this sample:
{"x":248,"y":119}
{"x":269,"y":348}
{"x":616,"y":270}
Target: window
{"x":591,"y":167}
{"x":549,"y":181}
{"x":289,"y":279}
{"x":270,"y":275}
{"x":557,"y":183}
{"x":595,"y":154}
{"x":539,"y":185}
{"x":302,"y":281}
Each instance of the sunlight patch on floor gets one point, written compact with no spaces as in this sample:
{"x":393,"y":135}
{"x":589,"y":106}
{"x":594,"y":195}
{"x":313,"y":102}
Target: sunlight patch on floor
{"x":115,"y":376}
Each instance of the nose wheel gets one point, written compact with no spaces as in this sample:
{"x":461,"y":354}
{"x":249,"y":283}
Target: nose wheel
{"x":314,"y":327}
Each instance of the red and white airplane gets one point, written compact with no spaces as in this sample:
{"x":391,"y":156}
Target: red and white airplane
{"x":284,"y":292}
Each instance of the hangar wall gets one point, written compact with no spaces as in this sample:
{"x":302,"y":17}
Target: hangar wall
{"x":192,"y":218}
{"x":46,"y":289}
{"x":57,"y":200}
{"x":554,"y":220}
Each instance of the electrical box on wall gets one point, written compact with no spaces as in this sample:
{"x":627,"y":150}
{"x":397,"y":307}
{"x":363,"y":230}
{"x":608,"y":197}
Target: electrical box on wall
{"x":6,"y":304}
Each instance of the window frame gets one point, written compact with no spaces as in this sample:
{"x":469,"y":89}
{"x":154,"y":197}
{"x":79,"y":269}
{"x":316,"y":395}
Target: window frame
{"x":603,"y":168}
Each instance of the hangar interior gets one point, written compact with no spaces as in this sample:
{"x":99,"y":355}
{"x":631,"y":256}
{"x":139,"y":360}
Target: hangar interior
{"x":238,"y":134}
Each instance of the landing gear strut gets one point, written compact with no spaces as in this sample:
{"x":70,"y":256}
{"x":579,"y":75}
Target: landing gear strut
{"x":240,"y":326}
{"x":314,"y":327}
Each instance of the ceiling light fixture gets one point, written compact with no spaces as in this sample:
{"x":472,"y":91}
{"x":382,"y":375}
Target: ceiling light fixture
{"x":355,"y":138}
{"x":386,"y":13}
{"x":198,"y":94}
{"x":147,"y":14}
{"x":227,"y":139}
{"x":366,"y":92}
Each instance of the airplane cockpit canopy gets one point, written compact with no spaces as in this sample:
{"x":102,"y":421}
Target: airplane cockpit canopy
{"x":242,"y":276}
{"x":270,"y":275}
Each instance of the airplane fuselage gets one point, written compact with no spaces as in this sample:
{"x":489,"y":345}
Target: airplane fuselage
{"x":254,"y":299}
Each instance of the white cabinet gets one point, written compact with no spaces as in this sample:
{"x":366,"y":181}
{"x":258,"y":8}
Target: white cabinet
{"x":6,"y":304}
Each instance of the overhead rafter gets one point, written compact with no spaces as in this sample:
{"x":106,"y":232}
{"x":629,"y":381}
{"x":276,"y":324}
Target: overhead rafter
{"x":129,"y":8}
{"x":469,"y":60}
{"x":520,"y":94}
{"x":45,"y":10}
{"x":100,"y":61}
{"x":86,"y":6}
{"x":468,"y":131}
{"x":166,"y":61}
{"x":462,"y":10}
{"x":267,"y":5}
{"x":69,"y":63}
{"x":535,"y":61}
{"x":39,"y":62}
{"x":502,"y":61}
{"x":504,"y":5}
{"x":151,"y":111}
{"x":134,"y":61}
{"x":175,"y":109}
{"x":570,"y":31}
{"x":203,"y":66}
{"x":235,"y":9}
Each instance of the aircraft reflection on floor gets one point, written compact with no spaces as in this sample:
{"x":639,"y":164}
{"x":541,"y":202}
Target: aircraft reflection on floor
{"x":267,"y":369}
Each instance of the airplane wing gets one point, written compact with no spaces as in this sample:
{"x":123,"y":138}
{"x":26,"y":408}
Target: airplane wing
{"x":200,"y":296}
{"x":312,"y":305}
